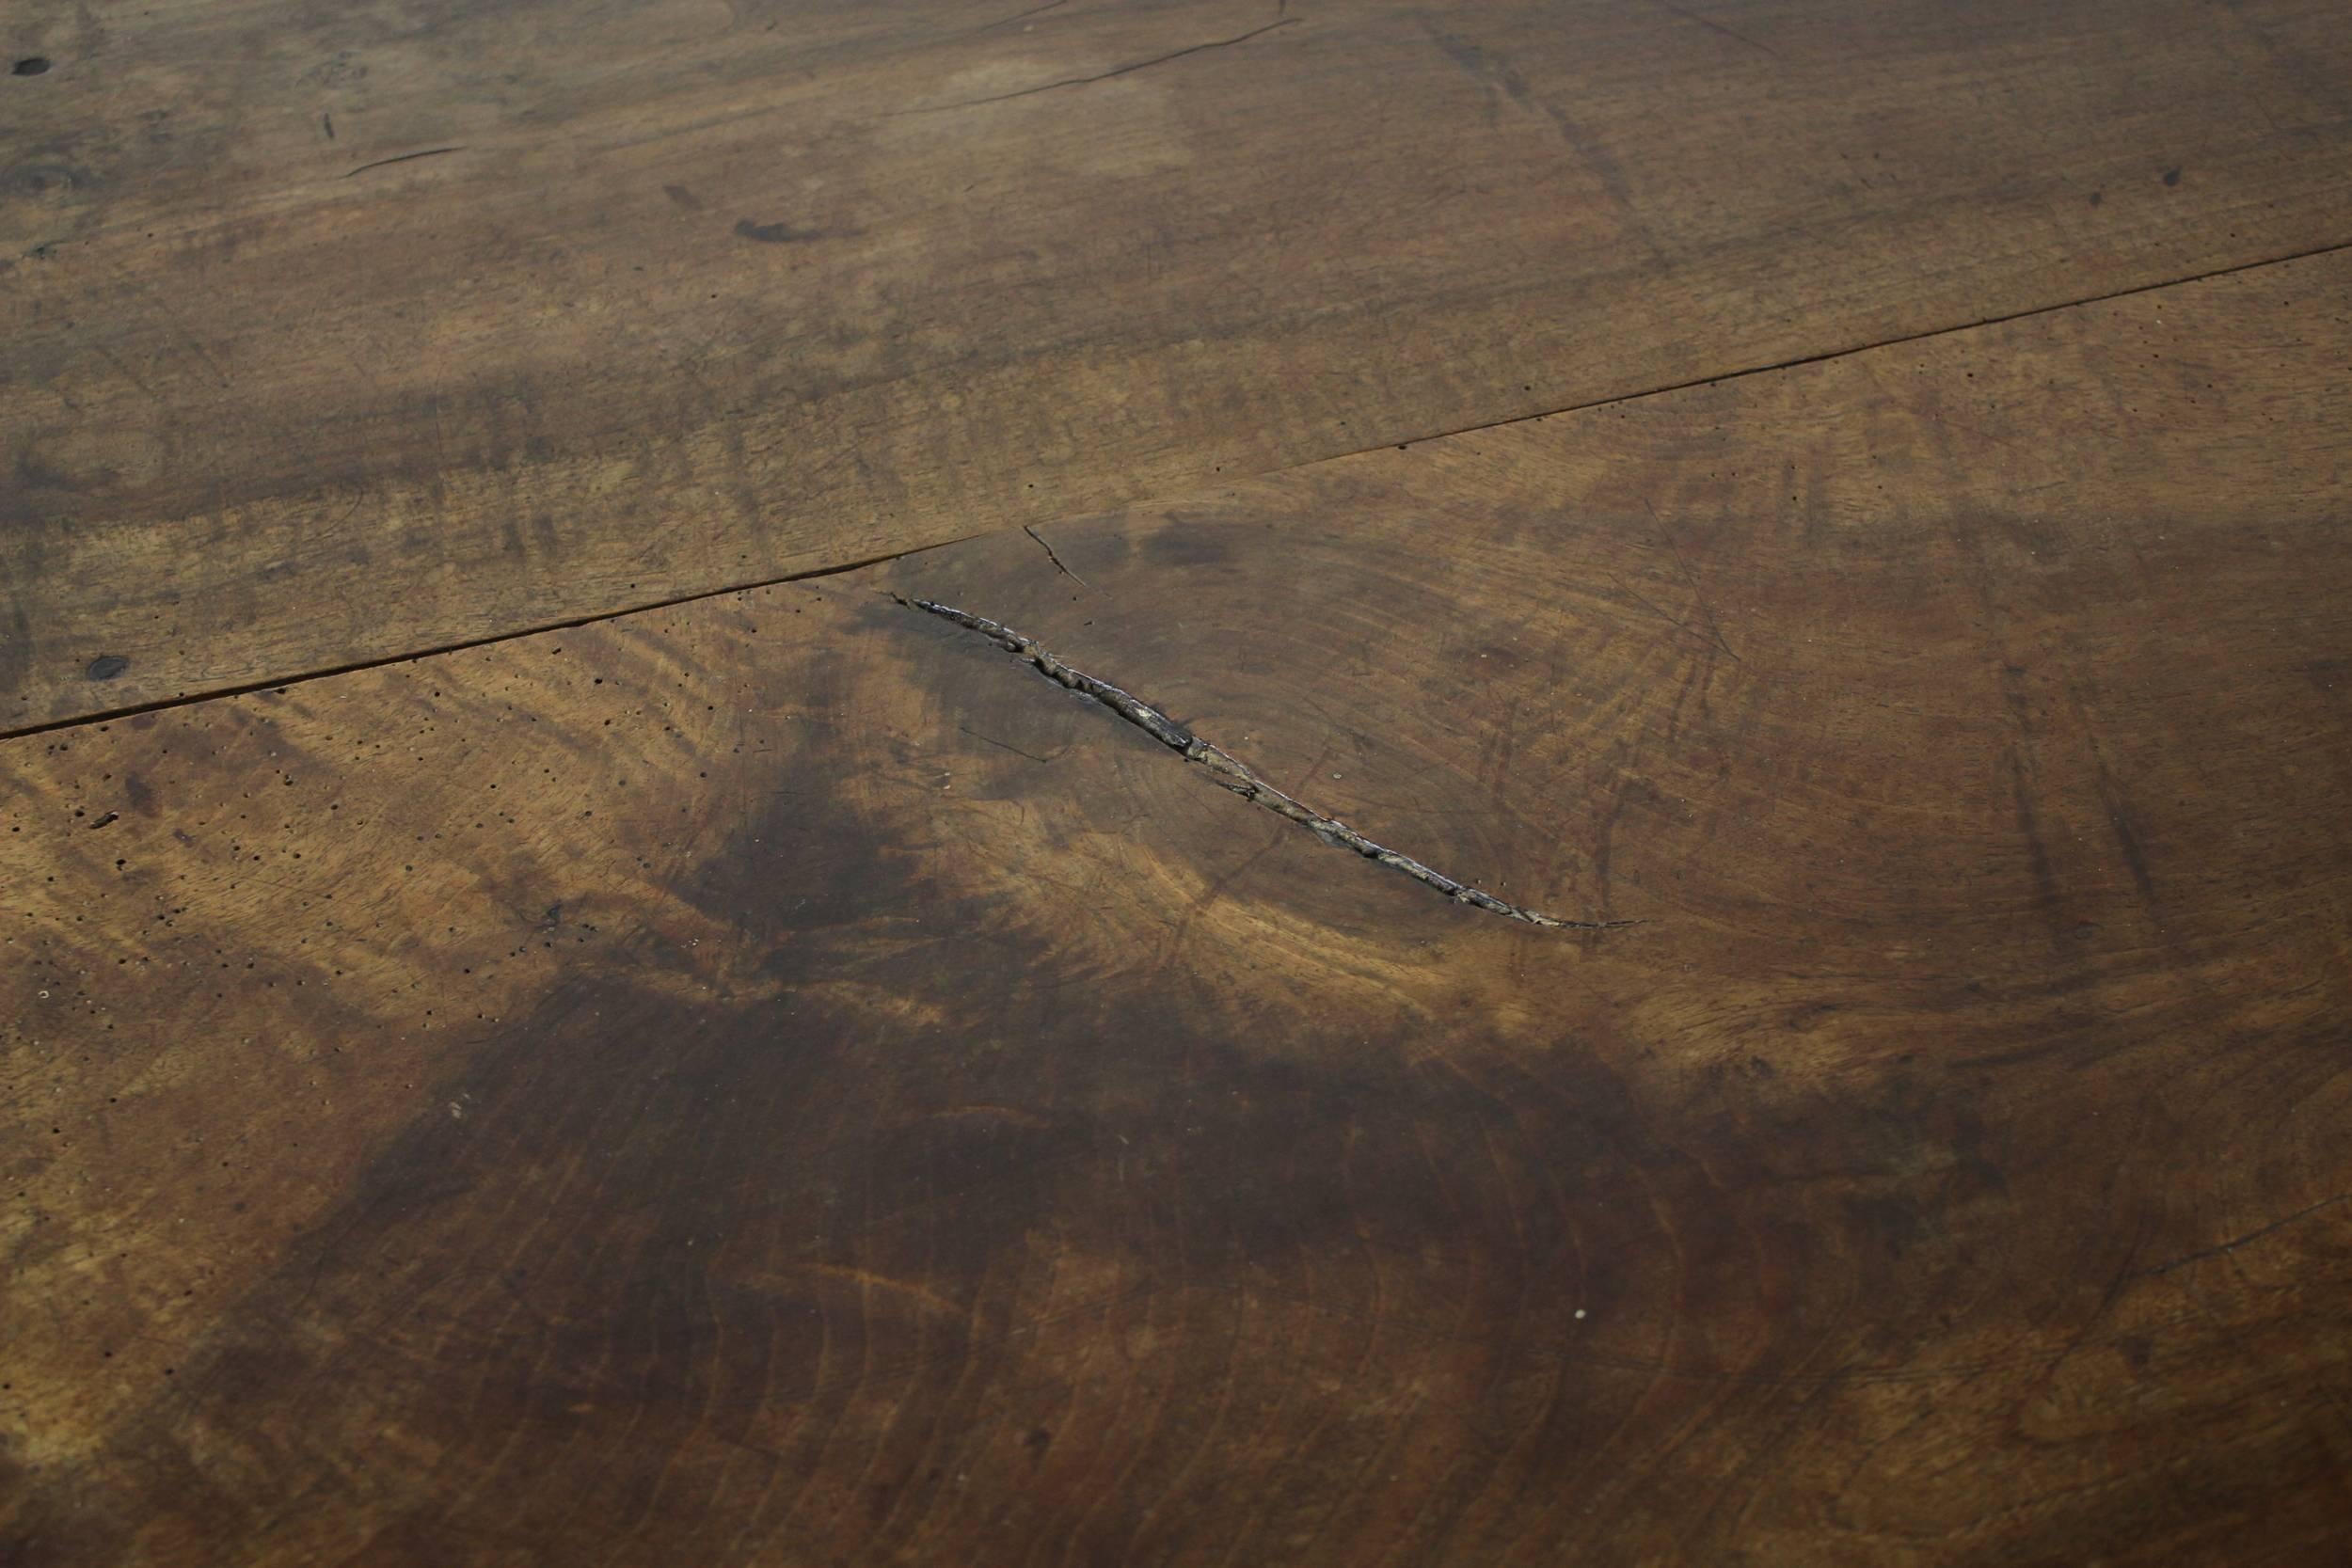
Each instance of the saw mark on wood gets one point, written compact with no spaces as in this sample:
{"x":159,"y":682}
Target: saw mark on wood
{"x":1233,"y":774}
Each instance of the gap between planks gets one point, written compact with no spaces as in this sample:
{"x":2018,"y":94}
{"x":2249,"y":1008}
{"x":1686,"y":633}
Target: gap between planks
{"x":281,"y":682}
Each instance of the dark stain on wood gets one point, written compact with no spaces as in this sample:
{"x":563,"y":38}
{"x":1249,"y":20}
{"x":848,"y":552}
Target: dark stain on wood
{"x":777,"y":233}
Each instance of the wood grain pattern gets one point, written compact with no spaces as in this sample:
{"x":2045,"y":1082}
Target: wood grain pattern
{"x":775,"y":1080}
{"x":336,"y":332}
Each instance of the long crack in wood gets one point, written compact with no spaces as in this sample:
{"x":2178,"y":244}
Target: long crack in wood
{"x":1230,"y":772}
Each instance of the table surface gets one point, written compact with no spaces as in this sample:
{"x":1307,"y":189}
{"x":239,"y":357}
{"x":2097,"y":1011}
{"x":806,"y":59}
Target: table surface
{"x":551,"y":1012}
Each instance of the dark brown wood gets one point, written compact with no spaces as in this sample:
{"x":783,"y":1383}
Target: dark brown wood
{"x":331,"y":332}
{"x":777,"y":1080}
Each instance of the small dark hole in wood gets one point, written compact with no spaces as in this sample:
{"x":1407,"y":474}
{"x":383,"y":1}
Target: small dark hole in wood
{"x":31,"y":65}
{"x":106,"y":667}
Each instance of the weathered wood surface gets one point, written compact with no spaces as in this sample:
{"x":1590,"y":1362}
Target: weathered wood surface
{"x":330,"y":332}
{"x":777,"y":1080}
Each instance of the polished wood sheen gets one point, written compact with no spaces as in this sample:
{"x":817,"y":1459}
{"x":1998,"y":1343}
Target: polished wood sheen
{"x":778,"y":1080}
{"x":337,"y":331}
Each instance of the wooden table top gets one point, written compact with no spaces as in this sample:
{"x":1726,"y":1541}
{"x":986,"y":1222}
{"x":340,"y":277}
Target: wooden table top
{"x":553,"y":1013}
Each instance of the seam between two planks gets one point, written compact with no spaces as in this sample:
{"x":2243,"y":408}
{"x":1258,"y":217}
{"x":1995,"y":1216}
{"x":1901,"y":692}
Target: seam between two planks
{"x":1795,"y":362}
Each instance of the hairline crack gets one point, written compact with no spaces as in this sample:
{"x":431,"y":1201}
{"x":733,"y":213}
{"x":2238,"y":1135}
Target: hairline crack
{"x":1231,"y":774}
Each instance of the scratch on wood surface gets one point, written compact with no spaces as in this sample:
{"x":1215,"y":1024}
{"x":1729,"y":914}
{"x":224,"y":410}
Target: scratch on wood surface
{"x":1718,"y":28}
{"x":1699,"y":594}
{"x":1233,"y":774}
{"x":867,"y":1279}
{"x":404,"y":158}
{"x":1052,"y":556}
{"x":2224,"y":1248}
{"x":1128,"y":69}
{"x":1021,"y":16}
